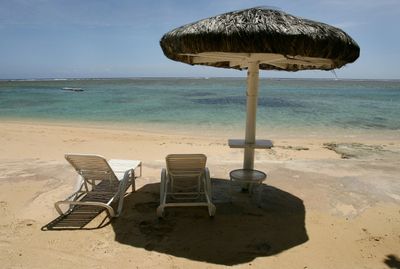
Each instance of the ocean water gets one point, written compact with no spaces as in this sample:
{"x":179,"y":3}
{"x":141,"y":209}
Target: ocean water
{"x":218,"y":103}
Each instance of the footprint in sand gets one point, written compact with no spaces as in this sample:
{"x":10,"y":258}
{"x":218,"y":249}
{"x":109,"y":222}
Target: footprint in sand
{"x":75,"y":140}
{"x":3,"y":207}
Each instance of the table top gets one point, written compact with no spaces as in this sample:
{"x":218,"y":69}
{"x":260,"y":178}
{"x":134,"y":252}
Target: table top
{"x":259,"y":144}
{"x":120,"y":167}
{"x":123,"y":165}
{"x":248,"y":175}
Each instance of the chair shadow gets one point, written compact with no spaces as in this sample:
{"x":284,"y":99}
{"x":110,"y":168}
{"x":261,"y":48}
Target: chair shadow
{"x":239,"y":233}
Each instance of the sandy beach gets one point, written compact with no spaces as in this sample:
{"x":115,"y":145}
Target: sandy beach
{"x":331,"y":200}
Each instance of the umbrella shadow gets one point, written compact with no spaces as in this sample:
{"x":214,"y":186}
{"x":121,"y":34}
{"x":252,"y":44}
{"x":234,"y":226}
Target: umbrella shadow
{"x":239,"y":233}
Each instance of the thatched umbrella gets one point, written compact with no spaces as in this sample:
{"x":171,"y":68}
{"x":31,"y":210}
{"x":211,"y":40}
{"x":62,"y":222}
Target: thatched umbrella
{"x":259,"y":38}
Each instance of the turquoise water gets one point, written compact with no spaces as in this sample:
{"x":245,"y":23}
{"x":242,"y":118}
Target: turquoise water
{"x":215,"y":102}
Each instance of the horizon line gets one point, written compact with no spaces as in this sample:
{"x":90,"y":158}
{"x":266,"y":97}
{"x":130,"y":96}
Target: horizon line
{"x":191,"y":77}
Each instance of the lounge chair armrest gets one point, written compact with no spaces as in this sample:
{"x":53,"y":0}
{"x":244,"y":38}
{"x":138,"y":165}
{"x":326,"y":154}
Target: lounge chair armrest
{"x":207,"y":183}
{"x":207,"y":173}
{"x":80,"y":182}
{"x":124,"y":182}
{"x":163,"y":185}
{"x":108,"y":207}
{"x":74,"y":196}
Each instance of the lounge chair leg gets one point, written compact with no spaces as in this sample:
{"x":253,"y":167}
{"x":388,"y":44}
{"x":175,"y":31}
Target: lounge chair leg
{"x":211,"y":210}
{"x":160,"y":211}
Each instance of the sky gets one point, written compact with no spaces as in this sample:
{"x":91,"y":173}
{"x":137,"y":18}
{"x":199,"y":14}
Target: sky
{"x":118,"y":38}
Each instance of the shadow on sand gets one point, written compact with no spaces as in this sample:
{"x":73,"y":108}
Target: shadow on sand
{"x":392,"y":261}
{"x":239,"y":233}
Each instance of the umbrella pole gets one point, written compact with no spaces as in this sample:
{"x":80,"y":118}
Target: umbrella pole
{"x":251,"y":104}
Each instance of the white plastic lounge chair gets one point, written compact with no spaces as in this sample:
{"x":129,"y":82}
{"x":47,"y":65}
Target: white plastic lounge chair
{"x":185,"y":182}
{"x":100,"y":182}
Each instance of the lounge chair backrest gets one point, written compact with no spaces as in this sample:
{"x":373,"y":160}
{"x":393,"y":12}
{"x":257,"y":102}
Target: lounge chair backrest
{"x":180,"y":164}
{"x":91,"y":167}
{"x":185,"y":170}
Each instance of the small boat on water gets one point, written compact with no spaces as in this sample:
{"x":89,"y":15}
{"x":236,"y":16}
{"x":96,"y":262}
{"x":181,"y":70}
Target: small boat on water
{"x":72,"y":89}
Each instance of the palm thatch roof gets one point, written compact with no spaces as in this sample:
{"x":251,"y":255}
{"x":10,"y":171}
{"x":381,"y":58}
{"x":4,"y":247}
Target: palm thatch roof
{"x":273,"y":38}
